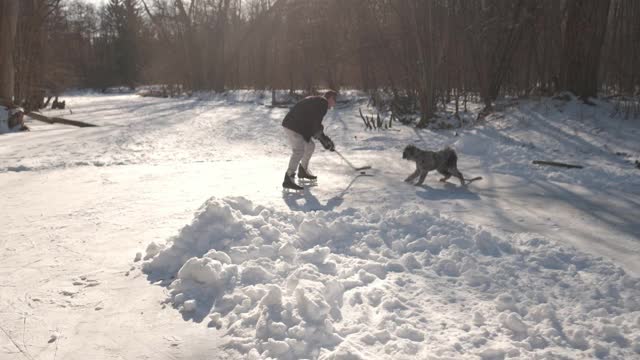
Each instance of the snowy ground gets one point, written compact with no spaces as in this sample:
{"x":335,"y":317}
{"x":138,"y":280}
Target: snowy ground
{"x":530,"y":262}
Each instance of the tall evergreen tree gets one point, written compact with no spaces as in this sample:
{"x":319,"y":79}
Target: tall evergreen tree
{"x":583,"y":39}
{"x":122,"y":28}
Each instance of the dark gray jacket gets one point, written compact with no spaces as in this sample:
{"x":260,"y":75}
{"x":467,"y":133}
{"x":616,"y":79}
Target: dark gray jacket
{"x":306,"y":116}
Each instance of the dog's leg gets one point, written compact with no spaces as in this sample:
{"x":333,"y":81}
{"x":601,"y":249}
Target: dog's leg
{"x":422,"y":177}
{"x":458,"y":174}
{"x":412,"y":176}
{"x":446,"y":174}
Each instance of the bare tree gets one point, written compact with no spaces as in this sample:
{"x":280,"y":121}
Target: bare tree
{"x":583,"y":39}
{"x":8,"y":26}
{"x":424,"y":53}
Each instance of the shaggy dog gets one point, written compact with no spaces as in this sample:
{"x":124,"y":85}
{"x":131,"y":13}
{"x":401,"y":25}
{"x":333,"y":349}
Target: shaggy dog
{"x":445,"y":161}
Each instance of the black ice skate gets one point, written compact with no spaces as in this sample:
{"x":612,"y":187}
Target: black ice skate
{"x":289,"y":184}
{"x":303,"y":174}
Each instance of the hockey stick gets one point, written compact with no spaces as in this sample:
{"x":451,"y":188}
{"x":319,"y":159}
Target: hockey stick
{"x":350,"y":164}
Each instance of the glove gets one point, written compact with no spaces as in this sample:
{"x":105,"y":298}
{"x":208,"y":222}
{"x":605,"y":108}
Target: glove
{"x":326,"y":142}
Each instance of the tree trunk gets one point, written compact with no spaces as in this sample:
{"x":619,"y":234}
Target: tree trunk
{"x":8,"y":26}
{"x":29,"y":54}
{"x":583,"y":38}
{"x":220,"y":71}
{"x":422,"y":33}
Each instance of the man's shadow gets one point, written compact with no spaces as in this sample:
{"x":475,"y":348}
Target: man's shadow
{"x":306,"y":201}
{"x":311,"y":202}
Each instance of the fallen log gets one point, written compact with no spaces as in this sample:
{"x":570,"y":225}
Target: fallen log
{"x":57,"y":120}
{"x":553,"y":163}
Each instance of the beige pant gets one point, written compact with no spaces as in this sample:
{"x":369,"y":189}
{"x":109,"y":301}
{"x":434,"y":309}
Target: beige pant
{"x":301,"y":151}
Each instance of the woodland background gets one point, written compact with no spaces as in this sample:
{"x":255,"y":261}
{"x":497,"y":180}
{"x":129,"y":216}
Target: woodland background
{"x":423,"y":53}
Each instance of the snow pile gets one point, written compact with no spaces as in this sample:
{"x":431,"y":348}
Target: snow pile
{"x":377,"y":284}
{"x":4,"y":121}
{"x":477,"y":143}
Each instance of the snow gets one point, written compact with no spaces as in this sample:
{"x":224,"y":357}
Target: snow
{"x":4,"y":120}
{"x":330,"y":299}
{"x":5,"y":113}
{"x":164,"y":233}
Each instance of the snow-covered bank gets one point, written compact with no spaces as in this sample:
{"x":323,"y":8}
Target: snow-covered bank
{"x":365,"y":284}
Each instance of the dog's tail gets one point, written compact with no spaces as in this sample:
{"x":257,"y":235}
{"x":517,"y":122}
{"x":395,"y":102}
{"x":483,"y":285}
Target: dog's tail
{"x":468,"y":181}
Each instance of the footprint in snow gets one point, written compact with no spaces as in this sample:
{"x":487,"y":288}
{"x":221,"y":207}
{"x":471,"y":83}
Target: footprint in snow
{"x":84,"y":281}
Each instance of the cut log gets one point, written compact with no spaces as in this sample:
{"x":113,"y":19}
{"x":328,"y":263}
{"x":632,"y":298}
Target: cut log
{"x":553,"y":163}
{"x":49,"y":120}
{"x":57,"y":120}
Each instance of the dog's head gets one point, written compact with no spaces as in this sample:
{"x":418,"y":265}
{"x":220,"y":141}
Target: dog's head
{"x":410,"y":152}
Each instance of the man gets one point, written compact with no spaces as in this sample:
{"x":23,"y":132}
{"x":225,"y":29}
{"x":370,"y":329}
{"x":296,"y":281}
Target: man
{"x":301,"y":125}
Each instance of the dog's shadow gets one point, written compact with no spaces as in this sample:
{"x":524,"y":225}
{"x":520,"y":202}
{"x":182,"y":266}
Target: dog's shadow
{"x":447,"y":191}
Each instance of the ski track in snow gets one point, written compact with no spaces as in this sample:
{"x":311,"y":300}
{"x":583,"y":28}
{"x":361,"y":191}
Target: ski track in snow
{"x":358,"y":267}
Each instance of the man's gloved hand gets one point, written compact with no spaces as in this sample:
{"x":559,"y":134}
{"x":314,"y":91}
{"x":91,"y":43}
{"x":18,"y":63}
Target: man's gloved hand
{"x":326,"y":142}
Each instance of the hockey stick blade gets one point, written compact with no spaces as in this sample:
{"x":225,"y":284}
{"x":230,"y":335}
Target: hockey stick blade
{"x":363,"y":168}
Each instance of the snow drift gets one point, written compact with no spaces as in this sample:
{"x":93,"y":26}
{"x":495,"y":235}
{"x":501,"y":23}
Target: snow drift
{"x":5,"y":115}
{"x":380,"y":284}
